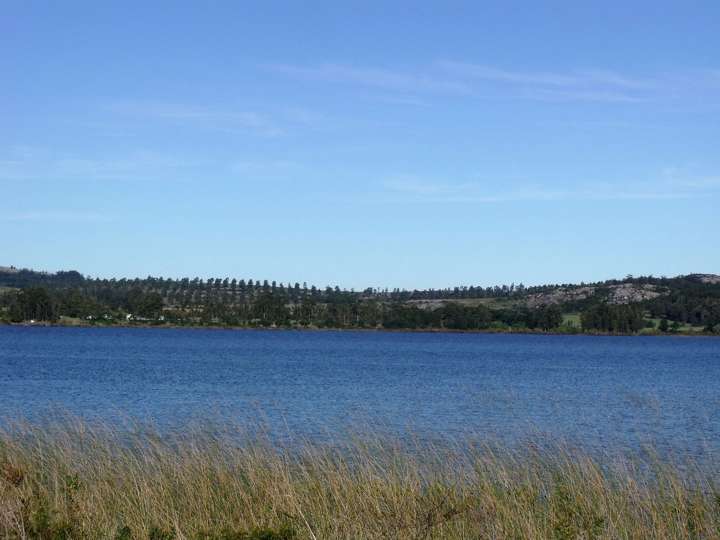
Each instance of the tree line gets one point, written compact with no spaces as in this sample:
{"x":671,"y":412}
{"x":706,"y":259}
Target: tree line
{"x":190,"y":289}
{"x":254,"y":303}
{"x":267,"y":309}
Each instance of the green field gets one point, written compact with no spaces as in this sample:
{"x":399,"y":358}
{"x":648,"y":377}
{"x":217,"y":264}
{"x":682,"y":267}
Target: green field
{"x":683,"y":328}
{"x":571,"y":320}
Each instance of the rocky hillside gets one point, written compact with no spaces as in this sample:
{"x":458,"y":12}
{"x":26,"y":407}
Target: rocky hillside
{"x":622,"y":293}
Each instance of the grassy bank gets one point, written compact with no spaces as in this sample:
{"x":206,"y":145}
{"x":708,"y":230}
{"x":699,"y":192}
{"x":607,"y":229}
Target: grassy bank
{"x":72,"y":480}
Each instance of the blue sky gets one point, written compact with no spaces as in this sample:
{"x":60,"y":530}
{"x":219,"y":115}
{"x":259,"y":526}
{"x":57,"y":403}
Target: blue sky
{"x":361,"y":144}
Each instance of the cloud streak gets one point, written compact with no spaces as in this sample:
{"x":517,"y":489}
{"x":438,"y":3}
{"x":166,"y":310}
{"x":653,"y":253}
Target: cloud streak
{"x":581,"y":78}
{"x":464,"y":79}
{"x":411,"y":189}
{"x":136,"y":166}
{"x":198,"y":116}
{"x":594,"y":85}
{"x":57,"y":216}
{"x":372,"y":77}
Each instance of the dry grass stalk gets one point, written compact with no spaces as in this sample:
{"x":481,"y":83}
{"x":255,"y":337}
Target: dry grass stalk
{"x":74,"y":480}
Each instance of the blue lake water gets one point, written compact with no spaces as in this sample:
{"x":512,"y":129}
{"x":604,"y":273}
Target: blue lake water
{"x":604,"y":392}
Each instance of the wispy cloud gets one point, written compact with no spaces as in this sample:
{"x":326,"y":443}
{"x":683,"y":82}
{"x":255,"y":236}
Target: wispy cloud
{"x":275,"y":166}
{"x":596,"y":85}
{"x":712,"y":182}
{"x":401,"y":100}
{"x":141,"y":165}
{"x":467,"y":79}
{"x":206,"y":117}
{"x":60,"y":216}
{"x":413,"y":189}
{"x":681,"y":178}
{"x":581,"y":78}
{"x":569,"y":95}
{"x":379,"y":78}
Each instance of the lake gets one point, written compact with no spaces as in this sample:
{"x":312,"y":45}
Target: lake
{"x":601,"y":392}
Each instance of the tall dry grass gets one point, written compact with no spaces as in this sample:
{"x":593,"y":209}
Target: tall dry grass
{"x":74,"y":480}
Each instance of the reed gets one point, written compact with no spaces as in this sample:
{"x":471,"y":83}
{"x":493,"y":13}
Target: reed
{"x":71,"y":479}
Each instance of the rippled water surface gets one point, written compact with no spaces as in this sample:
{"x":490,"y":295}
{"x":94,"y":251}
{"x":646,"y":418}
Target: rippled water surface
{"x":600,"y":391}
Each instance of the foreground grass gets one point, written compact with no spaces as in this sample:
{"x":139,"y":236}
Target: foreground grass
{"x":73,"y":480}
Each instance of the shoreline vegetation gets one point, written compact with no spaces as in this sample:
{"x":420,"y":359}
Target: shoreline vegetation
{"x":634,"y":305}
{"x":560,"y":331}
{"x":73,"y":479}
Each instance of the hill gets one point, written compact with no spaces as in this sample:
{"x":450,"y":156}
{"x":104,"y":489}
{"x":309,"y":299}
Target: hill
{"x":633,"y":304}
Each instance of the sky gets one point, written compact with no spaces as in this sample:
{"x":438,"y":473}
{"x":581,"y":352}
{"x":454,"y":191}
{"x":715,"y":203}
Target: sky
{"x":403,"y":144}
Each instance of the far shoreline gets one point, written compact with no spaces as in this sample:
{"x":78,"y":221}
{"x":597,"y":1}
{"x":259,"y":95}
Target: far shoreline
{"x":80,"y":324}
